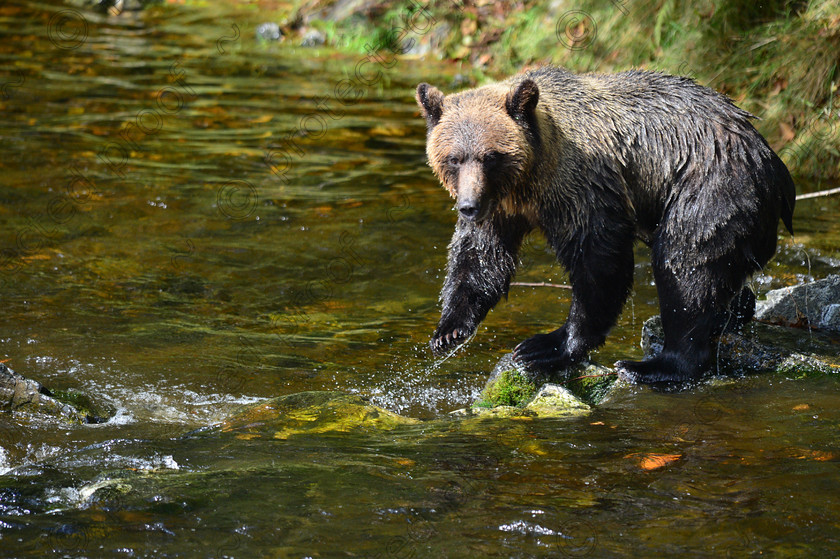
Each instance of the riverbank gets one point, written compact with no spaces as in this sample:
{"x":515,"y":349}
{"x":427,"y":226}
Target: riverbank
{"x":778,"y":60}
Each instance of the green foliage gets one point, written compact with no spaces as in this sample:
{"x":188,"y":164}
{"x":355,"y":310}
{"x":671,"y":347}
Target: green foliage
{"x":777,"y":59}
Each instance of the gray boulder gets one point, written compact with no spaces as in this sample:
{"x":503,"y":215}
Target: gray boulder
{"x":19,"y":393}
{"x":830,"y":319}
{"x":814,"y":305}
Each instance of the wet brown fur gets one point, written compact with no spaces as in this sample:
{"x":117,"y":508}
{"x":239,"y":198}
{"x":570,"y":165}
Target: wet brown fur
{"x":594,"y":161}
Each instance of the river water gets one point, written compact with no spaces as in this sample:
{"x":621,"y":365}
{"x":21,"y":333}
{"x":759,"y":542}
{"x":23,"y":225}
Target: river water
{"x":193,"y":221}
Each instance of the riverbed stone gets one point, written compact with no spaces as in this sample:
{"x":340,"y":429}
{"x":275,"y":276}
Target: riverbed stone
{"x":830,"y":319}
{"x":553,"y":400}
{"x":803,"y":305}
{"x":309,"y":413}
{"x":18,"y":393}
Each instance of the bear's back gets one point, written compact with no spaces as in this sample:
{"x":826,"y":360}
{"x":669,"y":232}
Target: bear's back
{"x":653,"y":137}
{"x":634,"y":101}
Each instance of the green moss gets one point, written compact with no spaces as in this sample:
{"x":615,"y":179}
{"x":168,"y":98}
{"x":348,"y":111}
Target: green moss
{"x":90,"y":410}
{"x":510,"y":388}
{"x":593,"y":384}
{"x":310,"y":413}
{"x":484,"y":404}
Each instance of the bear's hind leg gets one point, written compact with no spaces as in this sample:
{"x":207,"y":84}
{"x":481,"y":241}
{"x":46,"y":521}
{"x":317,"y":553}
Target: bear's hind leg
{"x":740,"y":311}
{"x":691,"y":317}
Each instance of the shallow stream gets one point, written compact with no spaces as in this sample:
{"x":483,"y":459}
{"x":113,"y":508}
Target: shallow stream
{"x":192,"y":221}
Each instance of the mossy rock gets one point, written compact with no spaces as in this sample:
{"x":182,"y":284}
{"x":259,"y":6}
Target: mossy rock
{"x":553,"y":400}
{"x":592,"y":383}
{"x":507,"y":386}
{"x":19,"y":394}
{"x":510,"y":385}
{"x":801,"y":366}
{"x":511,"y":391}
{"x":311,"y":412}
{"x":84,"y":405}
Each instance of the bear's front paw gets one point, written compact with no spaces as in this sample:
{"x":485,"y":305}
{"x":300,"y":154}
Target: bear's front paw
{"x":446,"y":337}
{"x":544,"y":353}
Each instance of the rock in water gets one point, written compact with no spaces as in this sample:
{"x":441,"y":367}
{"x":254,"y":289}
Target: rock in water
{"x":815,"y":304}
{"x":311,"y":412}
{"x":18,"y":393}
{"x":553,"y":400}
{"x":511,"y":392}
{"x":763,"y":349}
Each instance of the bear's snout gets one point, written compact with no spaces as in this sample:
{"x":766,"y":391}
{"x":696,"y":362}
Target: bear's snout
{"x":471,"y":196}
{"x":469,"y":208}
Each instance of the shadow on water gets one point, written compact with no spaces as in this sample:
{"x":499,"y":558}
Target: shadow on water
{"x":192,"y":222}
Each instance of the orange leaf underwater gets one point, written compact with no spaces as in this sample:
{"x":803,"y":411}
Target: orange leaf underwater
{"x":653,"y":461}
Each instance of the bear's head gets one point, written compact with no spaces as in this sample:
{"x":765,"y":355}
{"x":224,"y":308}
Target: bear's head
{"x":481,"y":143}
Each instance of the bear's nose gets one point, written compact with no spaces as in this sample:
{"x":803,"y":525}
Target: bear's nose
{"x":468,"y":209}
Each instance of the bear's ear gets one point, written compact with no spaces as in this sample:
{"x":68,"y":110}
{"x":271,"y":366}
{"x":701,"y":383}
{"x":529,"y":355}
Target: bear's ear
{"x":522,"y":101}
{"x":430,"y":100}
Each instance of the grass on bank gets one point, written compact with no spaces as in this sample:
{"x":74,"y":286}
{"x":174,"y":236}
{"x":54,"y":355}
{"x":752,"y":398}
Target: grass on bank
{"x":779,"y":59}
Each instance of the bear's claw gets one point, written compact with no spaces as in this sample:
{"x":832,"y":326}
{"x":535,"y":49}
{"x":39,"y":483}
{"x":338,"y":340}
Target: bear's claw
{"x":443,"y":342}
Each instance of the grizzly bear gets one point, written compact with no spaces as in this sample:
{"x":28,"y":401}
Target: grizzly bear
{"x":595,"y":161}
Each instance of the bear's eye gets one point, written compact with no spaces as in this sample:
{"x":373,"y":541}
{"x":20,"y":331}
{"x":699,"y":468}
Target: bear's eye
{"x":453,"y":161}
{"x":492,"y":159}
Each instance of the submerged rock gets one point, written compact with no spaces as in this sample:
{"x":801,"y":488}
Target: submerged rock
{"x":815,"y":304}
{"x":269,"y":31}
{"x":18,"y":393}
{"x":311,"y":412}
